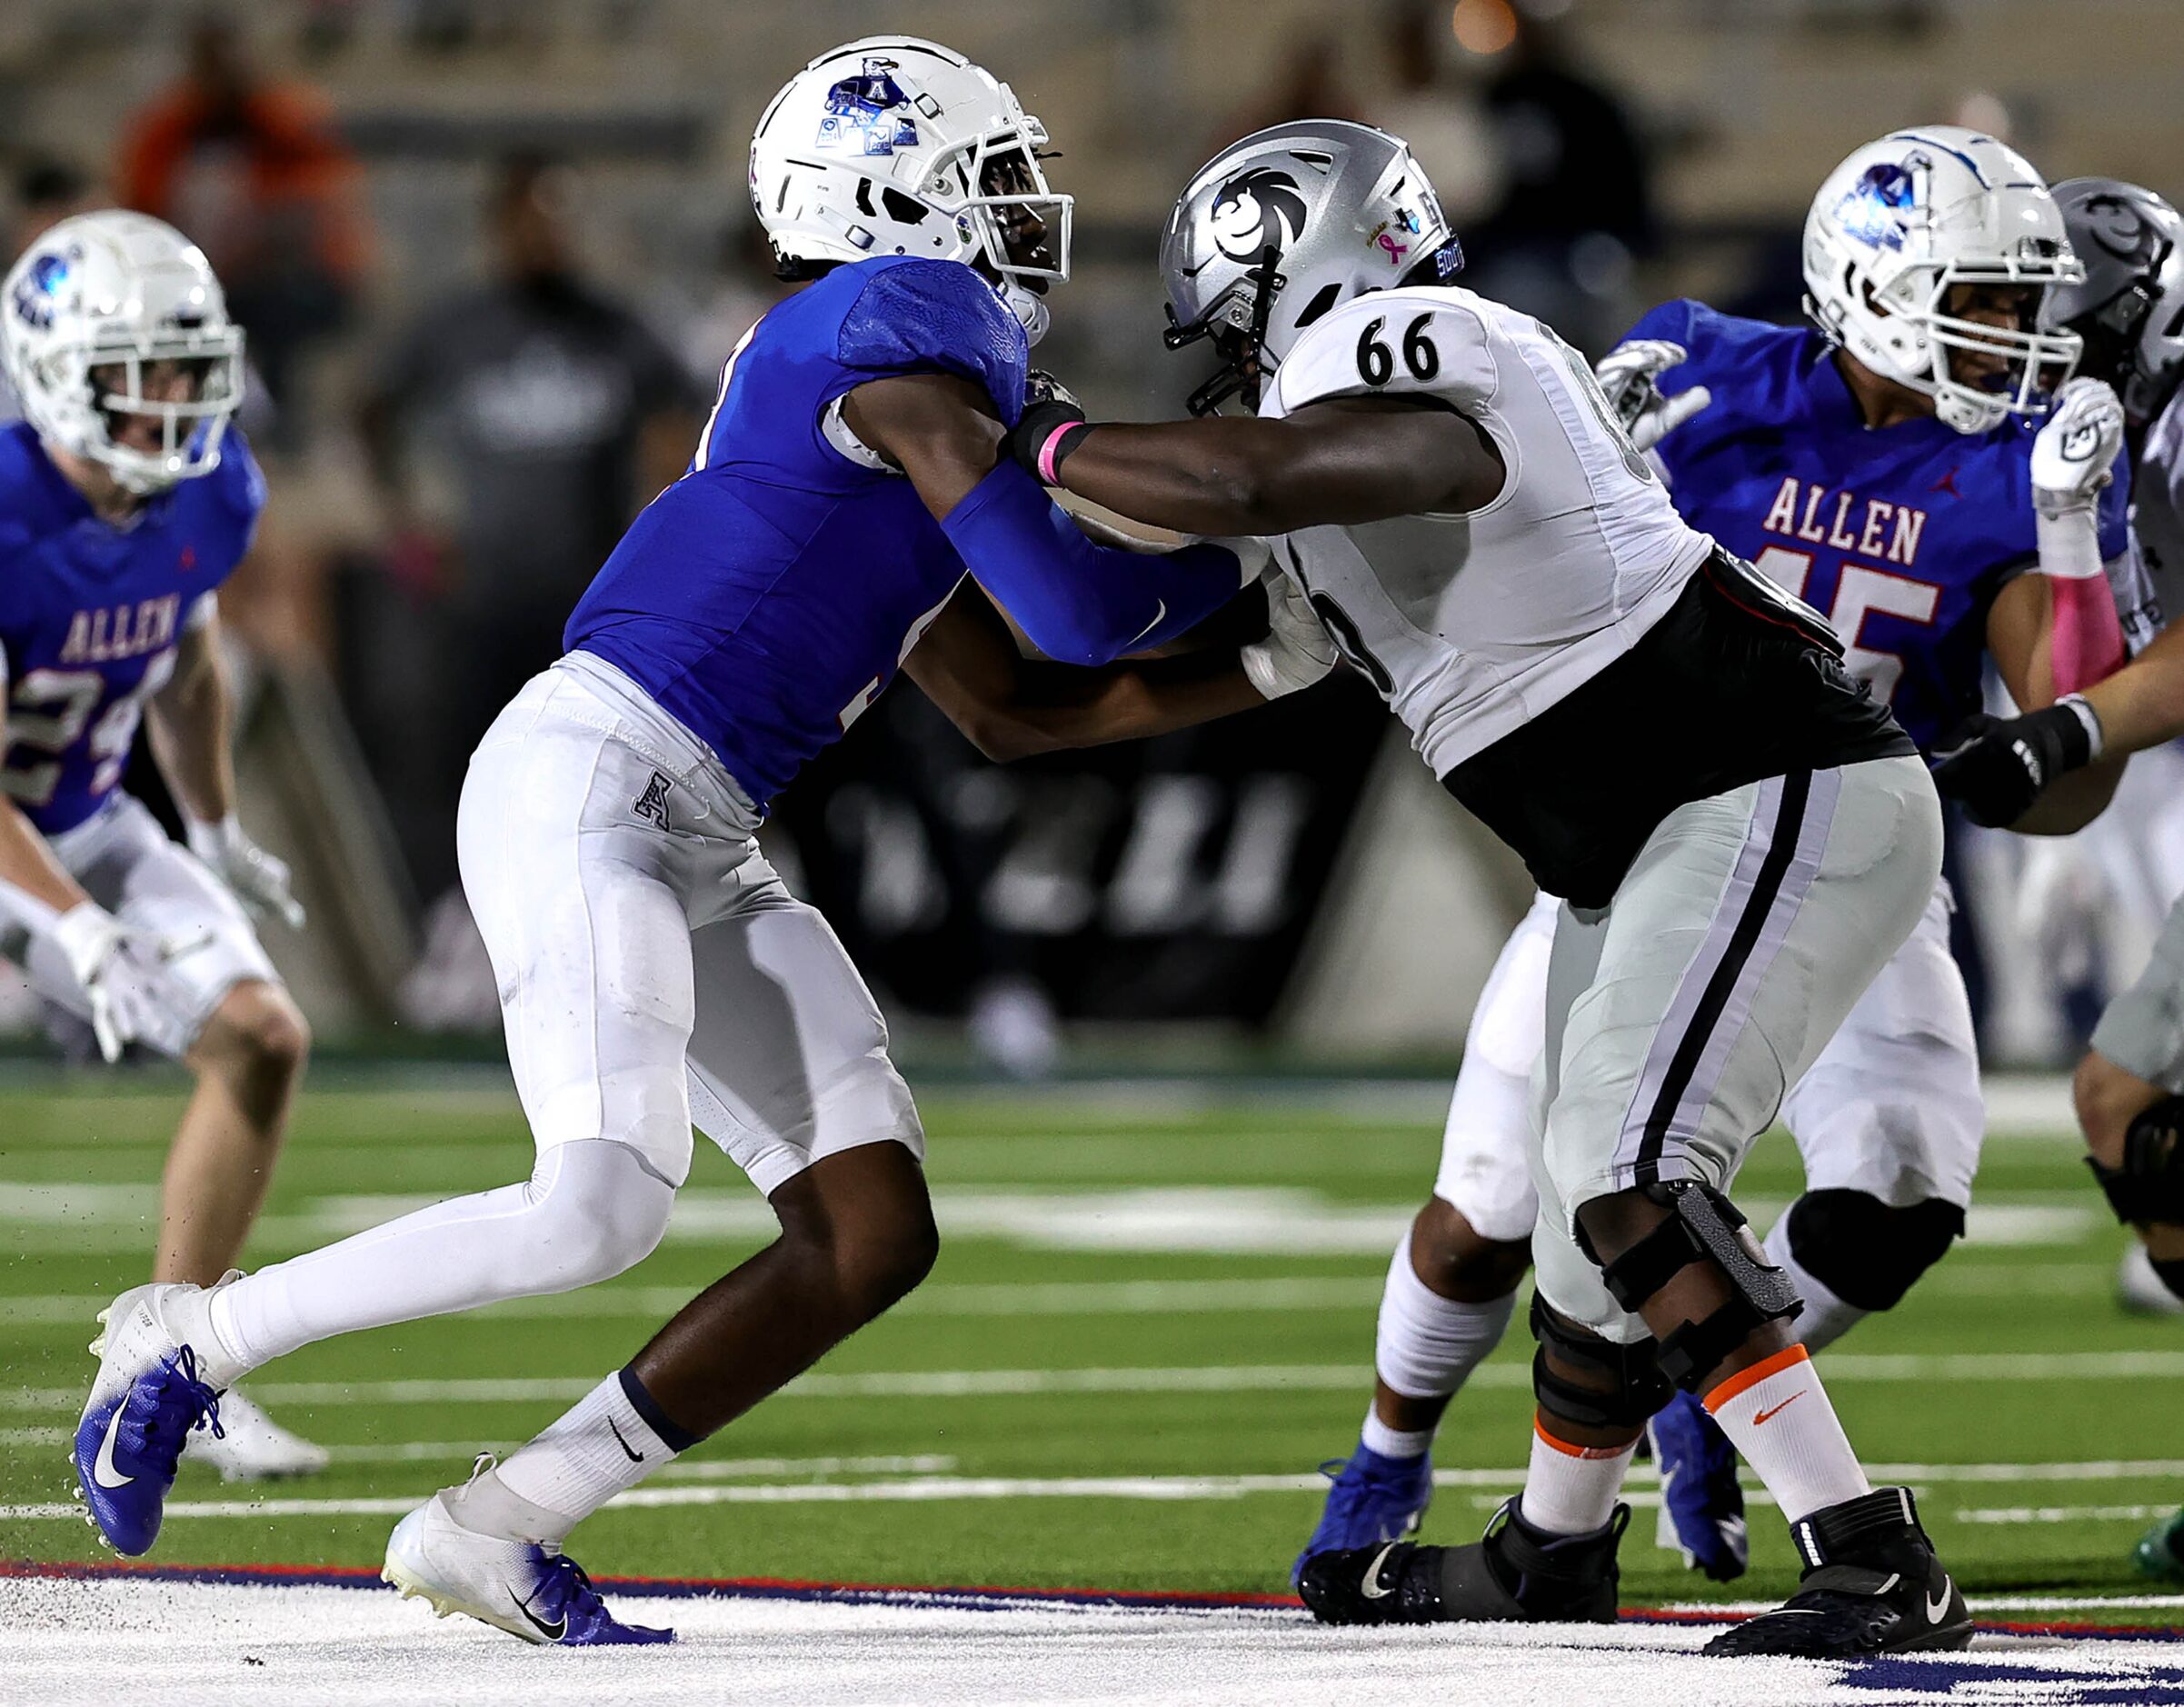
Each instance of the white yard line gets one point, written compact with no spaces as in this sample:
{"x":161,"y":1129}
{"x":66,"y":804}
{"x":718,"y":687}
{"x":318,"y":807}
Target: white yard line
{"x":2065,"y":1513}
{"x":957,"y":1383}
{"x":709,"y":1490}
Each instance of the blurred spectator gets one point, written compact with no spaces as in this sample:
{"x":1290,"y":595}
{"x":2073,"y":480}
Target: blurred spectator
{"x":47,"y":191}
{"x":1439,"y":118}
{"x":555,"y":413}
{"x":254,"y":171}
{"x":742,"y":287}
{"x":1577,"y":207}
{"x":1308,"y":83}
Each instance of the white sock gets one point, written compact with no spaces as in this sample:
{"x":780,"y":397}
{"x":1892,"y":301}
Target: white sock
{"x":1825,"y":1318}
{"x":1392,"y":1443}
{"x":611,"y":1439}
{"x":590,"y":1210}
{"x":1571,"y":1489}
{"x":1780,"y":1418}
{"x":1426,"y":1344}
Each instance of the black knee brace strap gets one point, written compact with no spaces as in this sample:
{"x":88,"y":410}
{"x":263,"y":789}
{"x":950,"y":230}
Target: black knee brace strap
{"x":2149,"y":1185}
{"x":1865,"y":1252}
{"x":1704,"y":1227}
{"x":1637,"y":1388}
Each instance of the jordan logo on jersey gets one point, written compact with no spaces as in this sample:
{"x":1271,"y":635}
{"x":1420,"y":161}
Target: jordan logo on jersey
{"x":125,"y":631}
{"x":1872,"y":527}
{"x":653,"y":802}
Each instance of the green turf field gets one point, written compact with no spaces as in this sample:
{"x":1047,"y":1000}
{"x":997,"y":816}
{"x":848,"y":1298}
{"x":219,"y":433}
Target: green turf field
{"x":1152,"y":1316}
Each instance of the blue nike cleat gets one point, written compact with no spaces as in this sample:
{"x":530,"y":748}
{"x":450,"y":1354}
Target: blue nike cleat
{"x":1701,"y":1506}
{"x":536,"y":1592}
{"x":144,"y":1402}
{"x":1374,"y":1500}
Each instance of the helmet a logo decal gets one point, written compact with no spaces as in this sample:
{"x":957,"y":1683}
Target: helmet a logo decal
{"x":1873,"y":210}
{"x":865,"y":113}
{"x":1256,"y":210}
{"x":35,"y":295}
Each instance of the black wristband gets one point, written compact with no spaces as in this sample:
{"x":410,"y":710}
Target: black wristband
{"x":1033,"y":443}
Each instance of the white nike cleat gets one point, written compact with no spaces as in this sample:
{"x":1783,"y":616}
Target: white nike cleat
{"x":144,"y":1401}
{"x":534,"y":1593}
{"x":2142,"y":1291}
{"x":252,"y":1447}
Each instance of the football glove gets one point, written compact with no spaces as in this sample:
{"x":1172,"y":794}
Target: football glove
{"x":2000,"y":767}
{"x":1628,"y":375}
{"x":120,"y":972}
{"x":2074,"y":452}
{"x":253,"y":876}
{"x":1297,"y":651}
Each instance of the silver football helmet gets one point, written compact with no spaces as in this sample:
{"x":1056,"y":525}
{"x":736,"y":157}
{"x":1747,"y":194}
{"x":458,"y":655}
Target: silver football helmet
{"x":1283,"y":226}
{"x":2129,"y":307}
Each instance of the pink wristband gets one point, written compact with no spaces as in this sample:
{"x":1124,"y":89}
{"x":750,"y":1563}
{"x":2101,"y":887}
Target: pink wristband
{"x":1047,"y":449}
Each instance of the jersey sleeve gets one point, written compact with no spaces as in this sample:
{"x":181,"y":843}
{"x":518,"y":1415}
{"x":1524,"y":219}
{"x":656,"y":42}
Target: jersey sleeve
{"x":1389,"y":343}
{"x":920,"y":315}
{"x":239,"y":486}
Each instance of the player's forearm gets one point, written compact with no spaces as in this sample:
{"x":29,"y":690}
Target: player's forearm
{"x":1207,"y":476}
{"x":189,"y":724}
{"x":29,"y":872}
{"x":1053,"y":713}
{"x":2074,"y":799}
{"x":1078,"y":602}
{"x":2142,"y":705}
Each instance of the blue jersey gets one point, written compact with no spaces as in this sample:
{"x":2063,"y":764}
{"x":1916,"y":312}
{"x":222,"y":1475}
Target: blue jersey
{"x":767,"y":596}
{"x":90,"y":614}
{"x":1899,"y":535}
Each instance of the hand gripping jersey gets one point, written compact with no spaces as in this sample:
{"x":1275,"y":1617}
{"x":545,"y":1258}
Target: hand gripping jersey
{"x":1574,"y":660}
{"x":1901,"y":535}
{"x":90,"y":614}
{"x":766,"y":597}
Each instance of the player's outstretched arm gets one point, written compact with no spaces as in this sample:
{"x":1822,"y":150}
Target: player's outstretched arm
{"x":2050,"y":776}
{"x":1014,"y":707}
{"x":1343,"y":460}
{"x":2000,"y":765}
{"x":191,"y":722}
{"x":1080,"y":602}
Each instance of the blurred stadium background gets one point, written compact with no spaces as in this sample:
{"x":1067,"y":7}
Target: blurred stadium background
{"x":377,"y":179}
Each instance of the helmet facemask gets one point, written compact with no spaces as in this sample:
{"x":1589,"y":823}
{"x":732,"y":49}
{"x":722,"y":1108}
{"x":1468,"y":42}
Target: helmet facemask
{"x":1236,"y":322}
{"x":84,"y":391}
{"x":1982,"y":372}
{"x":1023,"y":228}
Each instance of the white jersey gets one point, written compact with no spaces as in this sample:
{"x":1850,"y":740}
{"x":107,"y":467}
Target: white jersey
{"x":1471,"y":625}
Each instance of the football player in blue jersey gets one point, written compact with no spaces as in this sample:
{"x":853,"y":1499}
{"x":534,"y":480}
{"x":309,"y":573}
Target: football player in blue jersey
{"x":1896,"y":465}
{"x":126,"y":500}
{"x":847,"y":504}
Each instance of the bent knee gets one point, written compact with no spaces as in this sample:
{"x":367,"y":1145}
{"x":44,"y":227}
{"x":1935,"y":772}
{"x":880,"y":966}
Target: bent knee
{"x":258,"y":1029}
{"x":1456,"y":1260}
{"x":597,"y":1211}
{"x":1867,"y":1252}
{"x":2106,"y":1099}
{"x":860,"y":1221}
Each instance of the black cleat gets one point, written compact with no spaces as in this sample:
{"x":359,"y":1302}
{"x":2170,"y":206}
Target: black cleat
{"x":1515,"y":1573}
{"x":1871,"y":1586}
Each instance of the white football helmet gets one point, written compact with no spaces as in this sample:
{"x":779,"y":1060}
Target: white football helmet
{"x":88,"y":306}
{"x":893,"y":146}
{"x":2130,"y":308}
{"x":1905,"y":219}
{"x":1290,"y":223}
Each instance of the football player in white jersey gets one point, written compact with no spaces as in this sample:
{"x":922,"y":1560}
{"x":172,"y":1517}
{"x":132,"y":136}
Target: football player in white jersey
{"x":1743,"y":834}
{"x":2129,"y":1087}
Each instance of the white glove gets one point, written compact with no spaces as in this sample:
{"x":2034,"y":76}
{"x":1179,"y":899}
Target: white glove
{"x":1626,"y":375}
{"x":2075,"y":452}
{"x":1297,"y":651}
{"x":257,"y":879}
{"x":119,"y":970}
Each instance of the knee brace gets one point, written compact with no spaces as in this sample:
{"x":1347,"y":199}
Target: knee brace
{"x":1865,"y":1252}
{"x":1636,"y":1388}
{"x":2149,"y":1185}
{"x":1703,"y":1226}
